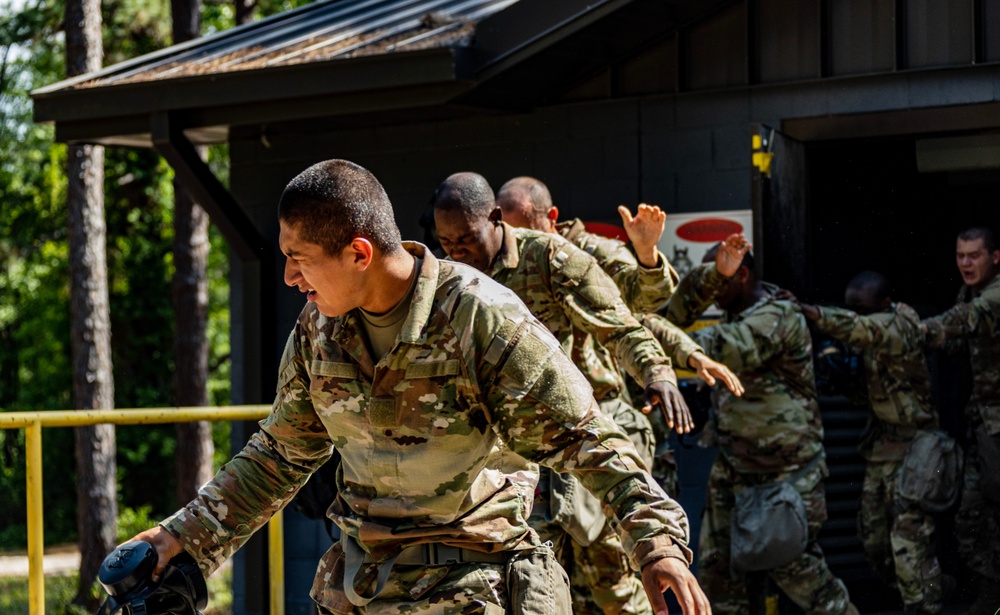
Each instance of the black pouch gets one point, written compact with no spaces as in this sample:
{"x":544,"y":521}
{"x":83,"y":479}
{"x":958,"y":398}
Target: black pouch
{"x":769,"y":527}
{"x":537,"y":584}
{"x":931,"y":475}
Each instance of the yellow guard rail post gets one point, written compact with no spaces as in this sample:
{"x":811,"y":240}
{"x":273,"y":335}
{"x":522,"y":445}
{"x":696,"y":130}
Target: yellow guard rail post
{"x":33,"y":422}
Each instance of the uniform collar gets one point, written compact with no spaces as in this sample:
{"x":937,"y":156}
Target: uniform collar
{"x":346,"y":333}
{"x":509,"y":256}
{"x":571,"y":229}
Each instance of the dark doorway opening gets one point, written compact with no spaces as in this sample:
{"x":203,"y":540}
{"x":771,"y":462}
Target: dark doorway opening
{"x":869,"y":207}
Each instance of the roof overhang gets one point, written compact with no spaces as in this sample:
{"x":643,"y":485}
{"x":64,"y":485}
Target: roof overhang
{"x":524,"y":55}
{"x":207,"y":105}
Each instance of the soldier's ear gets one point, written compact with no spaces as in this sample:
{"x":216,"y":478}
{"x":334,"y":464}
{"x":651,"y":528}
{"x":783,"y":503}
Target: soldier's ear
{"x":496,"y":215}
{"x":996,"y":257}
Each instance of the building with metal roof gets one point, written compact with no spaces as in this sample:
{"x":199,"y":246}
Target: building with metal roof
{"x":881,"y":117}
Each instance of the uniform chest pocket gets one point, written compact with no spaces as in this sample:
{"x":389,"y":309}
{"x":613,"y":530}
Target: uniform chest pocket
{"x":431,"y":398}
{"x":336,"y":388}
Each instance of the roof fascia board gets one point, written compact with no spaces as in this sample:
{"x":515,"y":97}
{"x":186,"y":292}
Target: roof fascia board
{"x":334,"y":77}
{"x":204,"y":126}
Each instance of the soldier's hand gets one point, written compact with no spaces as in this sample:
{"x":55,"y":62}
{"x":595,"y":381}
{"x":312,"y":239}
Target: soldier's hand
{"x":671,"y":573}
{"x":675,"y":410}
{"x":710,"y":371}
{"x":165,"y":544}
{"x":644,"y":231}
{"x":730,"y":255}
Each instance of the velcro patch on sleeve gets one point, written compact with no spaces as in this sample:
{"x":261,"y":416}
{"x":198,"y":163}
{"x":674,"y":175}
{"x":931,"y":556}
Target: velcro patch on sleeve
{"x":527,"y":361}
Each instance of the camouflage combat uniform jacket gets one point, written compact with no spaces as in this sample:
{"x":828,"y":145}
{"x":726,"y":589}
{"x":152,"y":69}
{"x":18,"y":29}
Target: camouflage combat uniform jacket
{"x":976,"y":319}
{"x":643,"y":289}
{"x":775,"y":426}
{"x":435,"y":438}
{"x":899,"y":389}
{"x":566,"y":289}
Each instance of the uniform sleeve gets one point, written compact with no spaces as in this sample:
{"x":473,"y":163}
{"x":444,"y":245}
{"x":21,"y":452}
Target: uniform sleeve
{"x":643,"y":289}
{"x":875,"y":331}
{"x":262,"y":478}
{"x":695,"y":293}
{"x":746,"y":344}
{"x":593,"y":304}
{"x":675,"y":342}
{"x":544,"y":410}
{"x":982,"y":314}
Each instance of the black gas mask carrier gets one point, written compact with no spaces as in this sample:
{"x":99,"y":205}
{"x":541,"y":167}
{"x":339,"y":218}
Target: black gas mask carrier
{"x":127,"y":576}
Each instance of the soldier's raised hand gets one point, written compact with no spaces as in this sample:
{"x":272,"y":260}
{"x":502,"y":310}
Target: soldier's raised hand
{"x":730,"y":255}
{"x":710,"y":371}
{"x":644,"y":231}
{"x":671,"y":573}
{"x":675,"y":410}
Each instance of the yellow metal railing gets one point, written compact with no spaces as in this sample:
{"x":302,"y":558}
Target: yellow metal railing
{"x":33,"y":422}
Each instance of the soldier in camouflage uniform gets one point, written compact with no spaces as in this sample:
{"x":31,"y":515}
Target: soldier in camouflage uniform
{"x":974,"y":324}
{"x":897,"y":534}
{"x":565,"y":289}
{"x":440,"y":391}
{"x":643,"y":275}
{"x":646,"y":281}
{"x":770,"y":433}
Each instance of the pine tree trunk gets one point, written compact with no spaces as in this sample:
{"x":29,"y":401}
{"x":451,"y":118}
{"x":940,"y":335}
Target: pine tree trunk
{"x":190,"y":298}
{"x":244,"y":11}
{"x":90,"y":326}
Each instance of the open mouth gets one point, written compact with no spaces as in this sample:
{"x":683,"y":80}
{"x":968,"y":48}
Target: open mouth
{"x":310,"y":295}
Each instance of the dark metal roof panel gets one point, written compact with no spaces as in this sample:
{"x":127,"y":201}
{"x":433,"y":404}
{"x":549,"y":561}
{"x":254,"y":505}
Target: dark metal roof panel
{"x":325,"y":30}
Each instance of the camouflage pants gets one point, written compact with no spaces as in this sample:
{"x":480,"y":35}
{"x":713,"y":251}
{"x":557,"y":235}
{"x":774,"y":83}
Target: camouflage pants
{"x":807,"y":580}
{"x":977,"y":524}
{"x":601,"y":578}
{"x":452,"y":589}
{"x":898,"y":539}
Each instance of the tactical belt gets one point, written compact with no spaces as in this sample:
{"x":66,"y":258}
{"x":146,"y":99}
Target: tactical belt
{"x":417,"y":555}
{"x":436,"y":554}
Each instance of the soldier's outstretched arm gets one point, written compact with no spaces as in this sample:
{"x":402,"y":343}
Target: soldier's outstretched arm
{"x":671,"y":573}
{"x":710,"y":371}
{"x":644,"y":230}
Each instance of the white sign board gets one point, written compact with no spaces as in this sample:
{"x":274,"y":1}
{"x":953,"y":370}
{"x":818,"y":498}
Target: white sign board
{"x":687,"y":237}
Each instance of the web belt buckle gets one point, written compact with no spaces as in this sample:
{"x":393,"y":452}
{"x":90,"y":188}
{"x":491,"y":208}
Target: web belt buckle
{"x":437,"y":554}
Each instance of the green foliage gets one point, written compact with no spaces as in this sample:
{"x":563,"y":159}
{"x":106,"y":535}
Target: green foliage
{"x":34,"y":291}
{"x":131,"y":521}
{"x":59,"y":591}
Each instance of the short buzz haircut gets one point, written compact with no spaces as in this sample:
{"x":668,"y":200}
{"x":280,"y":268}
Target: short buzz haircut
{"x":873,"y":283}
{"x":980,"y":232}
{"x":467,"y":192}
{"x":538,"y":193}
{"x":334,"y":201}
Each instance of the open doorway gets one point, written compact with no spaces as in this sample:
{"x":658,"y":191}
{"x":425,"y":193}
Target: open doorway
{"x":868,"y":206}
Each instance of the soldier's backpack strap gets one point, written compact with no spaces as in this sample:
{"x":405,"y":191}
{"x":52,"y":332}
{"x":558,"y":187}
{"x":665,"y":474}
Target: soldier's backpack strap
{"x":354,"y":558}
